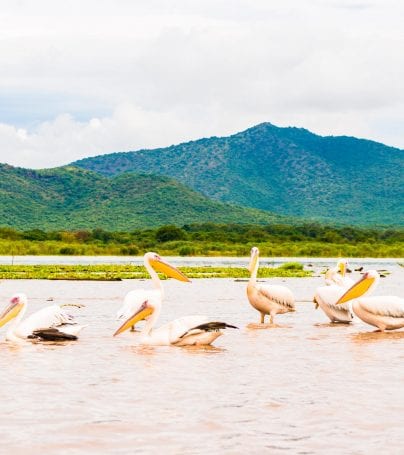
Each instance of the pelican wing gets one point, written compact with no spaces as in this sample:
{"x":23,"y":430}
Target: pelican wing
{"x":171,"y":333}
{"x":391,"y":306}
{"x":208,"y":327}
{"x":278,"y":294}
{"x":50,"y":316}
{"x":328,"y":296}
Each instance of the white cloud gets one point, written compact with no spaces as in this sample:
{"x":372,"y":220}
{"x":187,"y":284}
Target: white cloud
{"x":84,"y":78}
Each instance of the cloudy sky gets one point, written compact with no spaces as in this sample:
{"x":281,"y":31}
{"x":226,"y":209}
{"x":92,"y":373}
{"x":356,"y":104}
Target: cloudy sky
{"x":86,"y":77}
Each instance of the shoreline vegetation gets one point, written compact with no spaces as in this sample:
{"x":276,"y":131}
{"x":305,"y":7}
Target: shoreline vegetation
{"x":107,"y":272}
{"x":209,"y":239}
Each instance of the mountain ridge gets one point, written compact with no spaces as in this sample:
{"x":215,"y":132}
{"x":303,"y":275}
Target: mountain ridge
{"x":289,"y":171}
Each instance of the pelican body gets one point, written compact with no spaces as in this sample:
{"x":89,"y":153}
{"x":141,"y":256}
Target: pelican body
{"x":383,"y":312}
{"x":326,"y":298}
{"x":185,"y":331}
{"x":267,"y":299}
{"x":50,"y":323}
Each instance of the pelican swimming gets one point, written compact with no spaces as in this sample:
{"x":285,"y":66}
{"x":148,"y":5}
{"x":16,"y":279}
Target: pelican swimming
{"x":49,"y":323}
{"x":185,"y":331}
{"x":133,"y":298}
{"x":267,"y":299}
{"x":383,"y":312}
{"x":337,"y":275}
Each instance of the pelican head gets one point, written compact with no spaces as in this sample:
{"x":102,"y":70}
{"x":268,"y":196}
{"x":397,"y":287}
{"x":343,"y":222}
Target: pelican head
{"x":143,"y":311}
{"x":17,"y":303}
{"x":342,"y":265}
{"x":160,"y":265}
{"x":255,"y":252}
{"x":361,"y":287}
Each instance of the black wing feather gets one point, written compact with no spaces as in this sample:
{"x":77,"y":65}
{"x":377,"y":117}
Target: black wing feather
{"x":52,"y":334}
{"x":210,"y":327}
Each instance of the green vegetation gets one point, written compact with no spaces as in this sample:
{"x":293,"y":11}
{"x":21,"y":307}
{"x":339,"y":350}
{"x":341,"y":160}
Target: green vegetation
{"x":119,"y":272}
{"x":289,"y":171}
{"x":313,"y":240}
{"x":73,"y":199}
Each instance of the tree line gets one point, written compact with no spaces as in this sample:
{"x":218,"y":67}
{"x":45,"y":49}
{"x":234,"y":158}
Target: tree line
{"x":310,"y":239}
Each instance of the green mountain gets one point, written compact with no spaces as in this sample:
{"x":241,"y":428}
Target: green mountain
{"x":74,"y":198}
{"x":289,"y":171}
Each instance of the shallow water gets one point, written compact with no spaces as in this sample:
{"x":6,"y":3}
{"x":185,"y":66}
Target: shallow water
{"x":309,"y":387}
{"x":197,"y":261}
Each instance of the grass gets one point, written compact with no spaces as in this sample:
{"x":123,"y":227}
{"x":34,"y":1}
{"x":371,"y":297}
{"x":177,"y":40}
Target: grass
{"x":121,"y":272}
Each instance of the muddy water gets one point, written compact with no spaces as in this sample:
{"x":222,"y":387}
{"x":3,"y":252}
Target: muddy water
{"x":305,"y":388}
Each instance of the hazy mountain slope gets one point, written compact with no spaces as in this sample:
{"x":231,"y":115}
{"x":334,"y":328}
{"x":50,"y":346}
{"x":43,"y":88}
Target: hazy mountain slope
{"x":284,"y":170}
{"x":73,"y":198}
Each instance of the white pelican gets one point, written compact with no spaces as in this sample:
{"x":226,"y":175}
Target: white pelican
{"x":337,"y":275}
{"x":133,"y":298}
{"x":185,"y":331}
{"x":49,"y":323}
{"x":267,"y":299}
{"x":383,"y":312}
{"x":326,"y":298}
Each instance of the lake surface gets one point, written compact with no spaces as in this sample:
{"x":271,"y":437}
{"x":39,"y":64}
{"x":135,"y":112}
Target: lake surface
{"x":195,"y":261}
{"x":307,"y":388}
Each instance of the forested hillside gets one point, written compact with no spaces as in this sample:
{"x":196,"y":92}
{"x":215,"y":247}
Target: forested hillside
{"x":288,"y":171}
{"x":73,"y":198}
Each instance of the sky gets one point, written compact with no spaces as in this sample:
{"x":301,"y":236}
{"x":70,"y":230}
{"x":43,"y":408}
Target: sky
{"x":88,"y":77}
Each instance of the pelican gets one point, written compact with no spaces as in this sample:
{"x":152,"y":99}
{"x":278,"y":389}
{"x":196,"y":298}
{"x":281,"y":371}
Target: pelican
{"x":185,"y":331}
{"x":267,"y":299}
{"x":383,"y":312}
{"x":337,"y":275}
{"x":133,"y":298}
{"x":326,"y":298}
{"x":49,"y":323}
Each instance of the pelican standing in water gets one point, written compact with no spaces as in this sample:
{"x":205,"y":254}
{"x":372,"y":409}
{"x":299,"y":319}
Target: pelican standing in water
{"x":185,"y":331}
{"x":267,"y":299}
{"x":383,"y":312}
{"x":337,"y":275}
{"x":49,"y":323}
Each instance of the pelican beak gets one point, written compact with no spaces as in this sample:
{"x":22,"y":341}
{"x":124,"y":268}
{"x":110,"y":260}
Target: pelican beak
{"x":358,"y":289}
{"x":142,"y":313}
{"x":342,"y":268}
{"x":10,"y":312}
{"x":164,"y":267}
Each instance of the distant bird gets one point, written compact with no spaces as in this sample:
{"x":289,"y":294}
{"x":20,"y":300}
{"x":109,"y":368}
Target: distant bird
{"x":49,"y":323}
{"x":267,"y":299}
{"x":383,"y":312}
{"x":185,"y":331}
{"x":337,"y":275}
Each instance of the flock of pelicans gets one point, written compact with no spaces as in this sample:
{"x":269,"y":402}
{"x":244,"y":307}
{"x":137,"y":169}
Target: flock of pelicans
{"x":340,"y":299}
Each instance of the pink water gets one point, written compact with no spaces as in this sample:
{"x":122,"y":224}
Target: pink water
{"x":304,"y":389}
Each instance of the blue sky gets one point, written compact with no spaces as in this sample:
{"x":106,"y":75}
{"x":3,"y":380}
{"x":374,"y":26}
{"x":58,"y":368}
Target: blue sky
{"x":82,"y":78}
